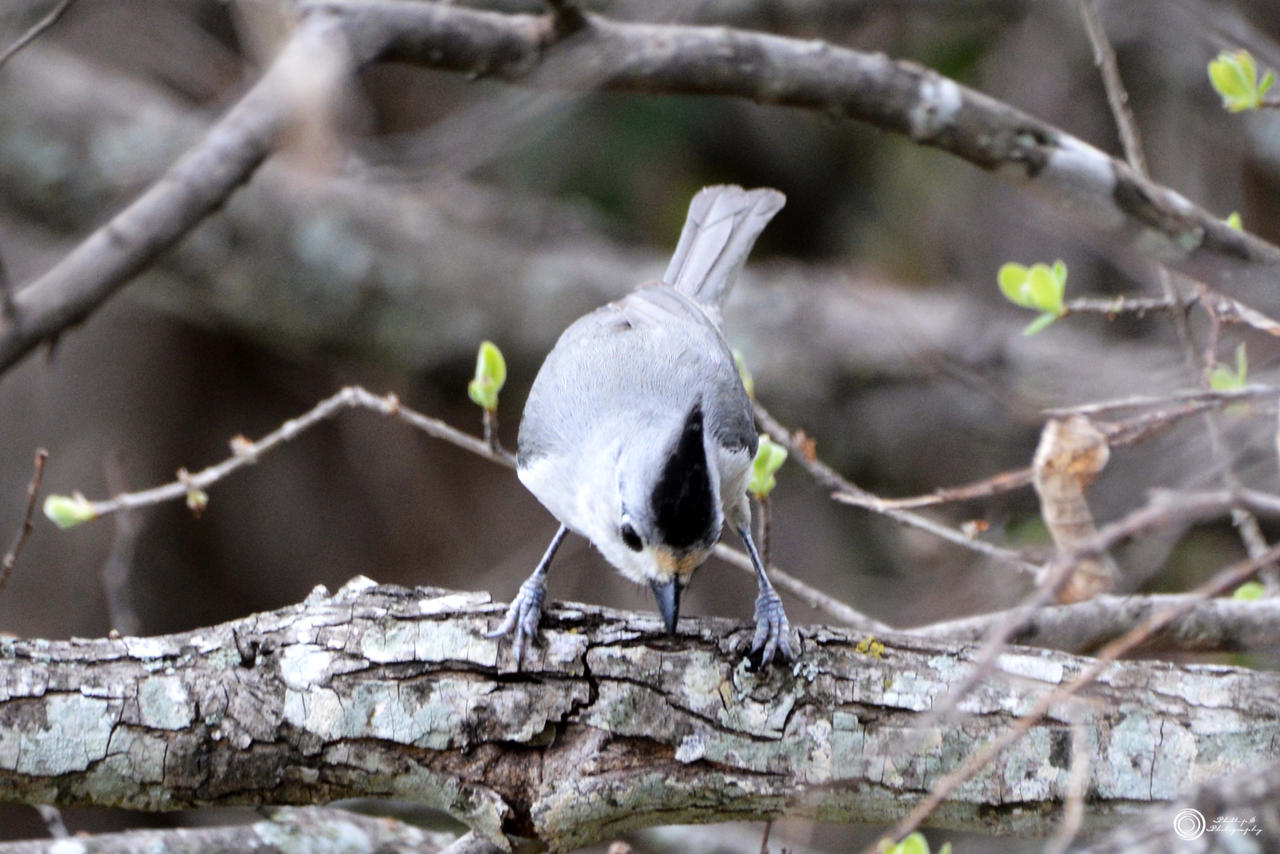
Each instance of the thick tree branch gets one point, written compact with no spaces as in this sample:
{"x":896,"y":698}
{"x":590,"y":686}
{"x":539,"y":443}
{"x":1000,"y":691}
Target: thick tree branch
{"x":386,"y":692}
{"x":313,"y":829}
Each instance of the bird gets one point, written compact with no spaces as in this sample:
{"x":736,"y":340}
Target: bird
{"x":638,"y":434}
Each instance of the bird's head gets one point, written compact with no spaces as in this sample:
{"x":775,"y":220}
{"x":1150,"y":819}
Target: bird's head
{"x":668,"y":516}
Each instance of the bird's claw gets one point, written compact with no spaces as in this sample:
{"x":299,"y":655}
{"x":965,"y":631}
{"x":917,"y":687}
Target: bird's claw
{"x":773,"y":630}
{"x":523,"y":614}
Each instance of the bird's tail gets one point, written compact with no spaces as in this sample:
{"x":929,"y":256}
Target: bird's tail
{"x":721,"y":228}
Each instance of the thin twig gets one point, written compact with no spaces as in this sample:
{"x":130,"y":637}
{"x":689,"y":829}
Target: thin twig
{"x":1227,"y":579}
{"x":1079,"y":770}
{"x":1118,"y":98}
{"x":33,"y":488}
{"x":491,"y":431}
{"x":245,"y":453}
{"x":34,"y":33}
{"x":1220,"y":398}
{"x":52,"y":818}
{"x":806,"y":593}
{"x":847,"y":493}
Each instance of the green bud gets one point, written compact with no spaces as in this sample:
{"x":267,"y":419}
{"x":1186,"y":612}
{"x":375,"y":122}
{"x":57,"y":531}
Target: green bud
{"x":1234,"y":76}
{"x":197,"y":501}
{"x":1039,"y":287}
{"x":748,"y":381}
{"x":491,"y":375}
{"x":1250,"y":591}
{"x":68,"y":511}
{"x":1233,"y":220}
{"x":1225,"y":379}
{"x":769,"y":458}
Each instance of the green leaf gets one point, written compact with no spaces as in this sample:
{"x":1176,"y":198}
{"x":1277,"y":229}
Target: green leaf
{"x":1046,"y":293}
{"x":913,"y":844}
{"x":1233,"y":220}
{"x":945,"y":849}
{"x":748,"y":381}
{"x":1242,"y":363}
{"x":1060,"y":273}
{"x":491,"y":375}
{"x":1039,"y":324}
{"x":1250,"y":591}
{"x":1012,"y":279}
{"x":67,"y":511}
{"x":1234,"y":75}
{"x":1268,"y":80}
{"x":769,"y":458}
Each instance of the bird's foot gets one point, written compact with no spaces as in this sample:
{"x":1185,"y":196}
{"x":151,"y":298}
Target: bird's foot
{"x":524,"y":613}
{"x":773,"y":630}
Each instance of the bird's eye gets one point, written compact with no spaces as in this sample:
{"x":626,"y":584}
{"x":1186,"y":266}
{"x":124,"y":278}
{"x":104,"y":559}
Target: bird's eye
{"x":629,"y":537}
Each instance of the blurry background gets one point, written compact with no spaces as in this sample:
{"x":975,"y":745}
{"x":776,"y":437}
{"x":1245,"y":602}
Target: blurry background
{"x":444,"y":210}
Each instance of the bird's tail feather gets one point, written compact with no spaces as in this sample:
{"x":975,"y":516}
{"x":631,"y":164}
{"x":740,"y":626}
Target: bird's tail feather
{"x":721,"y":228}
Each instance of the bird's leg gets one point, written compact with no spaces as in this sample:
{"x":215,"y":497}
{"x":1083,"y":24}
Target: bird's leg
{"x":526,"y":608}
{"x":773,"y":631}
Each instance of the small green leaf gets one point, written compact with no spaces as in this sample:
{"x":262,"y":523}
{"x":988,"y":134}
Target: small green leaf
{"x":1233,"y":220}
{"x":491,"y":375}
{"x":748,"y":381}
{"x":1012,"y":279}
{"x":945,"y":849}
{"x":1234,"y":75}
{"x":913,"y":844}
{"x":1045,"y":292}
{"x":769,"y":458}
{"x":67,"y":511}
{"x":197,"y":501}
{"x":1039,"y":324}
{"x":1060,"y":273}
{"x":1250,"y":591}
{"x":1268,"y":80}
{"x":1224,"y":379}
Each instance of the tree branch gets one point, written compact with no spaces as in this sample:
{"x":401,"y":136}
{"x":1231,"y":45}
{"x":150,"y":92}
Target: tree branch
{"x":898,"y":96}
{"x":316,"y":829}
{"x":386,"y":692}
{"x":191,"y":190}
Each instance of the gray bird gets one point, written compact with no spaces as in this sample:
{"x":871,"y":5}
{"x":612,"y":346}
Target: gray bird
{"x":638,"y":434}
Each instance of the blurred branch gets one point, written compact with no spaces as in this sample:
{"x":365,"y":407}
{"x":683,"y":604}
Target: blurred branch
{"x":192,"y":189}
{"x":893,"y":95}
{"x":980,"y":759}
{"x":660,"y":59}
{"x":34,"y":32}
{"x":1211,"y":625}
{"x":375,"y":691}
{"x":323,"y":830}
{"x":10,"y":558}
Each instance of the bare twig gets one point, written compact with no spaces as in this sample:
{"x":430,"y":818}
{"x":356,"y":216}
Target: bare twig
{"x":1226,"y":309}
{"x":847,"y":493}
{"x":1077,"y":787}
{"x":1245,"y":523}
{"x":1206,"y":396}
{"x":52,"y":818}
{"x":20,"y":539}
{"x":245,"y":453}
{"x":1215,"y":625}
{"x":34,"y":32}
{"x":1225,"y":580}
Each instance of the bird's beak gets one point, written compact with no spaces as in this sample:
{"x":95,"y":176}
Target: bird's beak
{"x":668,"y":596}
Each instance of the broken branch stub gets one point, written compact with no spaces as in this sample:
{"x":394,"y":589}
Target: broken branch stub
{"x":1071,"y":453}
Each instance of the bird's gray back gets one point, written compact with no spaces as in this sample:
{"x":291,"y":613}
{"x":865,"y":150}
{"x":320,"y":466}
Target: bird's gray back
{"x":649,"y":357}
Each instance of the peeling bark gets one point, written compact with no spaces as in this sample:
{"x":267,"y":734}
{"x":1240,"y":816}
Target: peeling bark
{"x":387,"y":692}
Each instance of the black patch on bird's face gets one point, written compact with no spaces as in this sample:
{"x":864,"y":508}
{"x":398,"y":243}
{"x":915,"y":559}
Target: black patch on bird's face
{"x":683,"y":503}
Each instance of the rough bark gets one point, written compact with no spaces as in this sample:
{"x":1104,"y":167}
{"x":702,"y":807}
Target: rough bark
{"x":313,"y":829}
{"x":387,"y":692}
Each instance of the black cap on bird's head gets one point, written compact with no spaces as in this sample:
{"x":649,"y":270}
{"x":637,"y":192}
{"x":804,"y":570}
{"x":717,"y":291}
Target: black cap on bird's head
{"x":683,"y":508}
